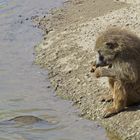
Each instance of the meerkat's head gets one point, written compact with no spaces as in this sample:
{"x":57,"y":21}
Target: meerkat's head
{"x":116,"y":44}
{"x":107,"y":47}
{"x":106,"y":52}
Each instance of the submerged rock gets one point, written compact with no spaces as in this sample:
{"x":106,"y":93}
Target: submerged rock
{"x":26,"y":119}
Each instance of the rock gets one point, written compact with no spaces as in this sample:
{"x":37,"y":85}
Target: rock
{"x":20,"y":16}
{"x":26,"y":120}
{"x":27,"y":19}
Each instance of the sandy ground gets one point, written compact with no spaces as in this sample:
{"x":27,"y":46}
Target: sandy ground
{"x":67,"y":52}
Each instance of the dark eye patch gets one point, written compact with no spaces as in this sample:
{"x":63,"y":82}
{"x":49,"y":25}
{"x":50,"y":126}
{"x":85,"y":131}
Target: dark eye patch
{"x":111,"y":45}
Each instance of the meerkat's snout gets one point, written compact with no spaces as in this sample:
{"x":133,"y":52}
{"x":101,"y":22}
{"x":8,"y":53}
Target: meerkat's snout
{"x":100,"y":61}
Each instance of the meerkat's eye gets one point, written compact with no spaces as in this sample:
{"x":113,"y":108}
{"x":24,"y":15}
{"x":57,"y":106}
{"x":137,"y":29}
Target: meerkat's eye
{"x":111,"y":45}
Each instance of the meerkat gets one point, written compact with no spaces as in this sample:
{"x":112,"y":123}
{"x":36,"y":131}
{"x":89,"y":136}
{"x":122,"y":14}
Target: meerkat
{"x":120,"y":50}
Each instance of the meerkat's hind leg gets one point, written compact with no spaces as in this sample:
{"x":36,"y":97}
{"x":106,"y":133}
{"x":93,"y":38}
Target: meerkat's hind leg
{"x":119,"y":102}
{"x":109,"y":98}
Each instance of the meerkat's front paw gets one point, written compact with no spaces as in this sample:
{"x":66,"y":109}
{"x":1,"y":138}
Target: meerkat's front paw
{"x":93,"y":66}
{"x":93,"y":69}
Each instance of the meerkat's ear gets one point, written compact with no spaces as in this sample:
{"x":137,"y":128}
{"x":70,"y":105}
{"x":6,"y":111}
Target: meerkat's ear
{"x":111,"y":45}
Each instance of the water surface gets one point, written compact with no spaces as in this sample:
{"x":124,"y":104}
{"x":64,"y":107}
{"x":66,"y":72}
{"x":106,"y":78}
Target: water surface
{"x":24,"y":87}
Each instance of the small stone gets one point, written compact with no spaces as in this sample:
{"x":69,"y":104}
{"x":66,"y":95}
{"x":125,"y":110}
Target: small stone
{"x":48,"y":86}
{"x":127,"y":24}
{"x":27,"y":19}
{"x":69,"y":71}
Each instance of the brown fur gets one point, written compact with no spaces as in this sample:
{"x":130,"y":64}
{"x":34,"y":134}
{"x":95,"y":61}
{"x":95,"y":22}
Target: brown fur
{"x":124,"y":75}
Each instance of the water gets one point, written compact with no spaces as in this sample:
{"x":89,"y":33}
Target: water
{"x":23,"y":85}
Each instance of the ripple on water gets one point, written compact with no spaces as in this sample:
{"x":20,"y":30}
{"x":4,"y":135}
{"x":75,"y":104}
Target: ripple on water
{"x":7,"y":7}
